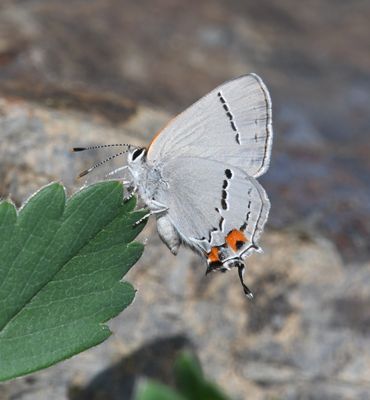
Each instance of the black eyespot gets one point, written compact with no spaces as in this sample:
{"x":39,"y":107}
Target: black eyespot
{"x":137,"y":153}
{"x":239,"y":244}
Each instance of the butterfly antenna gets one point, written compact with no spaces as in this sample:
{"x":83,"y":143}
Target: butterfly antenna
{"x":83,"y":173}
{"x":100,"y":146}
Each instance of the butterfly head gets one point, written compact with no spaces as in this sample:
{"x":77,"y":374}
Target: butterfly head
{"x":136,"y":155}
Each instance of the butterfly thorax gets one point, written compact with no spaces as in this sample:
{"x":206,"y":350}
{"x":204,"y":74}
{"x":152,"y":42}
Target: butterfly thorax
{"x":146,"y":178}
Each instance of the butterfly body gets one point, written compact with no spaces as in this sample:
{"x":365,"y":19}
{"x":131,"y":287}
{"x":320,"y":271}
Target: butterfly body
{"x":150,"y":184}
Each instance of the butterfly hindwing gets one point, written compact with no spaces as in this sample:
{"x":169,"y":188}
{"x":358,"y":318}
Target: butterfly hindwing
{"x":212,"y":201}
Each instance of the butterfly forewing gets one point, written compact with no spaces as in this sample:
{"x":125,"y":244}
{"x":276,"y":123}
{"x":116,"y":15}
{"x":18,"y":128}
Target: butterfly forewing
{"x":231,"y":124}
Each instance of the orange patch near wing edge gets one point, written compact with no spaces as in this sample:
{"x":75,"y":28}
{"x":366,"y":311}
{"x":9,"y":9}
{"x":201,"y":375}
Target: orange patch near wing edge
{"x":155,"y":137}
{"x":213,"y":255}
{"x":234,"y":237}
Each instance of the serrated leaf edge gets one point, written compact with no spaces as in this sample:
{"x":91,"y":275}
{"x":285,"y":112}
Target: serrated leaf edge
{"x":92,"y":238}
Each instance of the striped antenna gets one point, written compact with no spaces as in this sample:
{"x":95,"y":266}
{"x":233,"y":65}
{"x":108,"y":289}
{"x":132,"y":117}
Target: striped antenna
{"x":83,"y":173}
{"x":100,"y":146}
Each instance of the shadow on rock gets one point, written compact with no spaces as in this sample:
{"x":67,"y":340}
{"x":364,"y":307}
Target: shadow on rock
{"x":154,"y":360}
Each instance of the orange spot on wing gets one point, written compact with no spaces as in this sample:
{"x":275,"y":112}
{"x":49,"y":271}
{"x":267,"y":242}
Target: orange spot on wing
{"x":213,"y":255}
{"x":234,"y":238}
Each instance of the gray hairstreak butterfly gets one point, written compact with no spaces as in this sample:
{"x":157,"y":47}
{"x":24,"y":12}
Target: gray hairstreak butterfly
{"x":198,"y":175}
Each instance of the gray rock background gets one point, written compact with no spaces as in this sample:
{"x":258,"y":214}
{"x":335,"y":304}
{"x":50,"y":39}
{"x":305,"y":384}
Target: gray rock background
{"x":105,"y":71}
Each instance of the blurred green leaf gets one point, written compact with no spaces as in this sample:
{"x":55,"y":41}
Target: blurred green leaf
{"x":60,"y":269}
{"x":150,"y":390}
{"x":190,"y":382}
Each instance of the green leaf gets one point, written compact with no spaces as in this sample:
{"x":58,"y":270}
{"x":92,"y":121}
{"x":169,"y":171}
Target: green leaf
{"x":150,"y":390}
{"x":191,"y":382}
{"x":60,"y":269}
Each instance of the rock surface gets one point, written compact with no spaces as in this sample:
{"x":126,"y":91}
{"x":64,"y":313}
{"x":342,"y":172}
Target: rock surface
{"x":99,"y":72}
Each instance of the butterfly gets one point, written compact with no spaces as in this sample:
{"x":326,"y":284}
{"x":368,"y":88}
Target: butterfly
{"x":198,"y":174}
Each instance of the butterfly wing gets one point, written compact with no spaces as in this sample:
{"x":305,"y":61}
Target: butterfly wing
{"x":231,"y":124}
{"x":213,"y":200}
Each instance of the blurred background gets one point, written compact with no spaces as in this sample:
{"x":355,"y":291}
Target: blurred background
{"x":104,"y":71}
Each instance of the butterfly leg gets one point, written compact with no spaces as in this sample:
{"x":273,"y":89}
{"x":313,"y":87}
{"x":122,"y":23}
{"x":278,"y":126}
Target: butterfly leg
{"x":155,"y":208}
{"x":115,"y":171}
{"x":129,"y":190}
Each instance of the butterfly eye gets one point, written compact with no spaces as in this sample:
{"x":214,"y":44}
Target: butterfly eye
{"x":137,"y":153}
